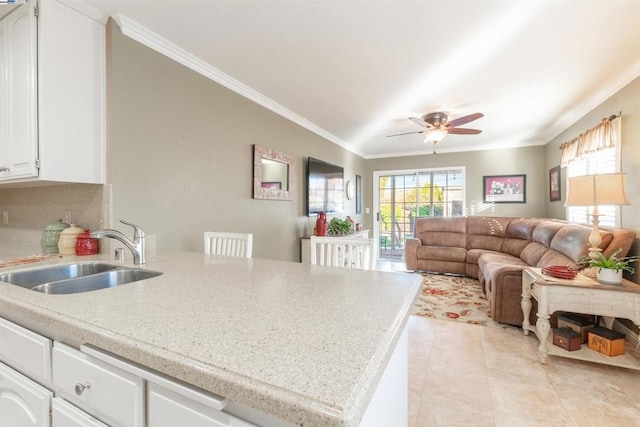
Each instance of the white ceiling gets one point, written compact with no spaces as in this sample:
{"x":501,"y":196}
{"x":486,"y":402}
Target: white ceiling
{"x":354,"y":71}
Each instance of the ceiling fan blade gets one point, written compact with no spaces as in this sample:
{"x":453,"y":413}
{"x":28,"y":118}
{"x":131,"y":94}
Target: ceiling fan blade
{"x":406,"y":133}
{"x":464,"y":131}
{"x":465,"y":119}
{"x":419,"y":122}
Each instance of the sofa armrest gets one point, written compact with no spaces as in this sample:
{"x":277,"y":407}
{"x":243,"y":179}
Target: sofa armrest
{"x":411,"y":245}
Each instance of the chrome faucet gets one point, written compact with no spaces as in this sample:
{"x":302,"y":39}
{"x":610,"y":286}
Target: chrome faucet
{"x":136,"y":247}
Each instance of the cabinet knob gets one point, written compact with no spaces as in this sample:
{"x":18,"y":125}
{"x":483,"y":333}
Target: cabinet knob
{"x":4,"y":169}
{"x":81,"y":387}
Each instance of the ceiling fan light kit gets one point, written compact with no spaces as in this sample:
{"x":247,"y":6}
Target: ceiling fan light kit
{"x":436,"y":126}
{"x":434,"y":135}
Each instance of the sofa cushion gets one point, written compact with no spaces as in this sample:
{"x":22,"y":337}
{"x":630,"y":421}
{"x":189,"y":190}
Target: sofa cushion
{"x":436,"y":232}
{"x":533,"y":252}
{"x":552,"y":257}
{"x":572,"y":240}
{"x":441,"y":253}
{"x":518,"y":235}
{"x":487,"y":258}
{"x":546,"y":230}
{"x":486,"y":232}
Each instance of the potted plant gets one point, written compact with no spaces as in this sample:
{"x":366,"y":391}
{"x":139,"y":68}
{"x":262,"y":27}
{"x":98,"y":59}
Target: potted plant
{"x":609,"y":270}
{"x":339,"y":227}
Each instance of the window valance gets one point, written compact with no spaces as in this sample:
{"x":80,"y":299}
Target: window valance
{"x":604,"y":135}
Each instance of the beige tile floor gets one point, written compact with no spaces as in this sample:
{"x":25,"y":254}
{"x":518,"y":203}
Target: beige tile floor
{"x":471,"y":375}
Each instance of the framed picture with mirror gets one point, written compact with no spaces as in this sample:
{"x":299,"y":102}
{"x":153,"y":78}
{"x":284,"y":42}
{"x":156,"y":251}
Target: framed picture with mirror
{"x":272,"y":174}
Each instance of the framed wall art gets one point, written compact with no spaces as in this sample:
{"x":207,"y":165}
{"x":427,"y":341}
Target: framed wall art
{"x":272,"y":174}
{"x":555,"y":193}
{"x":504,"y":189}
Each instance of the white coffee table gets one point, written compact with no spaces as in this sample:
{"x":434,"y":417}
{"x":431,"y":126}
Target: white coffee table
{"x":580,"y":295}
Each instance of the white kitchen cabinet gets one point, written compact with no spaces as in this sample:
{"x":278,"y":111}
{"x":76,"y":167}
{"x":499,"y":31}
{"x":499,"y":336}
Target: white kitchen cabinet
{"x":168,"y":409}
{"x":26,"y":351}
{"x":53,"y":69}
{"x":104,"y":391}
{"x":23,"y":403}
{"x":64,"y":414}
{"x":18,"y":128}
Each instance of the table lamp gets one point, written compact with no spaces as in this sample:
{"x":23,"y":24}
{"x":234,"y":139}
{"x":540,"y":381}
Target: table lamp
{"x":596,"y":190}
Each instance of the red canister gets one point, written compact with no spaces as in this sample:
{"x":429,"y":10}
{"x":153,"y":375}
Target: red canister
{"x":86,"y":245}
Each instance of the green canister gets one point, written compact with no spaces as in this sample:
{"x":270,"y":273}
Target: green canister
{"x":51,"y":235}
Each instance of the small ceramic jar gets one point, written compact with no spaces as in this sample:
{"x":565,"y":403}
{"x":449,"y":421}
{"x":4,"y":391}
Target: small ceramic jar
{"x":50,"y":237}
{"x":67,"y":241}
{"x":86,"y":245}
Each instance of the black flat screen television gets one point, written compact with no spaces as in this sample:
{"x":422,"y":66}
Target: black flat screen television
{"x":324,"y":187}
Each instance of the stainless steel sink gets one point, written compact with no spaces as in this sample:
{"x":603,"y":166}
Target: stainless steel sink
{"x":37,"y":276}
{"x":76,"y":278}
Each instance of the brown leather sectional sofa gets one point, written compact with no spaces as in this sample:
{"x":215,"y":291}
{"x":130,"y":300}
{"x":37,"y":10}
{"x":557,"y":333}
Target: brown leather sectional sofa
{"x":495,"y":250}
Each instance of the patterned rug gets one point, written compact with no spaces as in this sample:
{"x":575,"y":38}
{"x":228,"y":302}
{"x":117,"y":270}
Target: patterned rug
{"x":454,"y":298}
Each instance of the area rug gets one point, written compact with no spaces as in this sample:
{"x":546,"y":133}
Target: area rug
{"x":454,"y":298}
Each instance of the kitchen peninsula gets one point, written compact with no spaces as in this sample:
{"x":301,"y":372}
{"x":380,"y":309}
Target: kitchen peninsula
{"x":304,"y":345}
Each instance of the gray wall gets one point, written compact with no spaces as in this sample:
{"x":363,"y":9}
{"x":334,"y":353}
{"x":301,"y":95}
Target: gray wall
{"x":627,"y":101}
{"x":529,"y":161}
{"x":181,"y":156}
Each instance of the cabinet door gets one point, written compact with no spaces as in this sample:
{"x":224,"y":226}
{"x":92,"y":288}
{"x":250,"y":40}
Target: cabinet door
{"x":169,"y":409}
{"x":26,"y":351}
{"x":71,"y":93}
{"x":65,"y":414}
{"x":23,"y":403}
{"x":19,"y":127}
{"x":4,"y":100}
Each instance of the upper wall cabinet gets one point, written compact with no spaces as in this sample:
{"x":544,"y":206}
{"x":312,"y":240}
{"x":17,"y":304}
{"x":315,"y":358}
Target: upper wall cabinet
{"x":18,"y":114}
{"x":52,"y":70}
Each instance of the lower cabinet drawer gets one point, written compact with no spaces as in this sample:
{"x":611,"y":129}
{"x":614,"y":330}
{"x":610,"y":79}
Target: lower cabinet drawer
{"x":65,"y":414}
{"x":26,"y":351}
{"x":170,"y":409}
{"x":106,"y":392}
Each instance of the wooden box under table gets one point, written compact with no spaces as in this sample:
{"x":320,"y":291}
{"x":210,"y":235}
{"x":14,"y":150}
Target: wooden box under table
{"x":567,"y":338}
{"x":606,"y":341}
{"x":581,"y":323}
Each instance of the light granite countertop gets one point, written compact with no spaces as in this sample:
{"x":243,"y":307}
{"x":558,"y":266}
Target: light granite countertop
{"x":306,"y":344}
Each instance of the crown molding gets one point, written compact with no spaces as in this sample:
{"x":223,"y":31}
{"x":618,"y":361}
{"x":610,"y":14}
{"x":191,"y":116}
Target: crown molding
{"x":143,"y":35}
{"x":571,"y":117}
{"x":84,"y":8}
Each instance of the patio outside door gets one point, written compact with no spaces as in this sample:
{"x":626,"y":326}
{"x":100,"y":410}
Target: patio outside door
{"x":403,"y":196}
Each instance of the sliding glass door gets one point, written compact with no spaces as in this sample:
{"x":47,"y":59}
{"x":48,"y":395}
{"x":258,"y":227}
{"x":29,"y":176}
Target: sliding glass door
{"x":403,"y":196}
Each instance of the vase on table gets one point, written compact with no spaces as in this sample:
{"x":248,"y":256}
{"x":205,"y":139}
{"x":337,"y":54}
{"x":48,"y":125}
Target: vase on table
{"x":321,"y":224}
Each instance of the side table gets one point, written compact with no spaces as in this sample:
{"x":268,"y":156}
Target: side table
{"x":580,"y":295}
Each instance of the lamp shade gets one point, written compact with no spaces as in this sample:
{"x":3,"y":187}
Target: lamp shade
{"x":597,"y":190}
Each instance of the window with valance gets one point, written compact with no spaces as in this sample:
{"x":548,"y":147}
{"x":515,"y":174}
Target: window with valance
{"x":595,"y":151}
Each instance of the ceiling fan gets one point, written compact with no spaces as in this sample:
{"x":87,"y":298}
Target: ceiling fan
{"x":436,"y":126}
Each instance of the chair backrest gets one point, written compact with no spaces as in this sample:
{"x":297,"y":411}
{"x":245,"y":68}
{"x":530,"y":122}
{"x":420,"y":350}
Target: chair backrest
{"x":349,"y":252}
{"x":228,"y":244}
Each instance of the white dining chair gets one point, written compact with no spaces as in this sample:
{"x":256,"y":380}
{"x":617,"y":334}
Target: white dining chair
{"x":228,"y":244}
{"x":348,"y":252}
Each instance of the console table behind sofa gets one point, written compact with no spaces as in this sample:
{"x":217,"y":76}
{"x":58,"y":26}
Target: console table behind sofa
{"x":495,"y":250}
